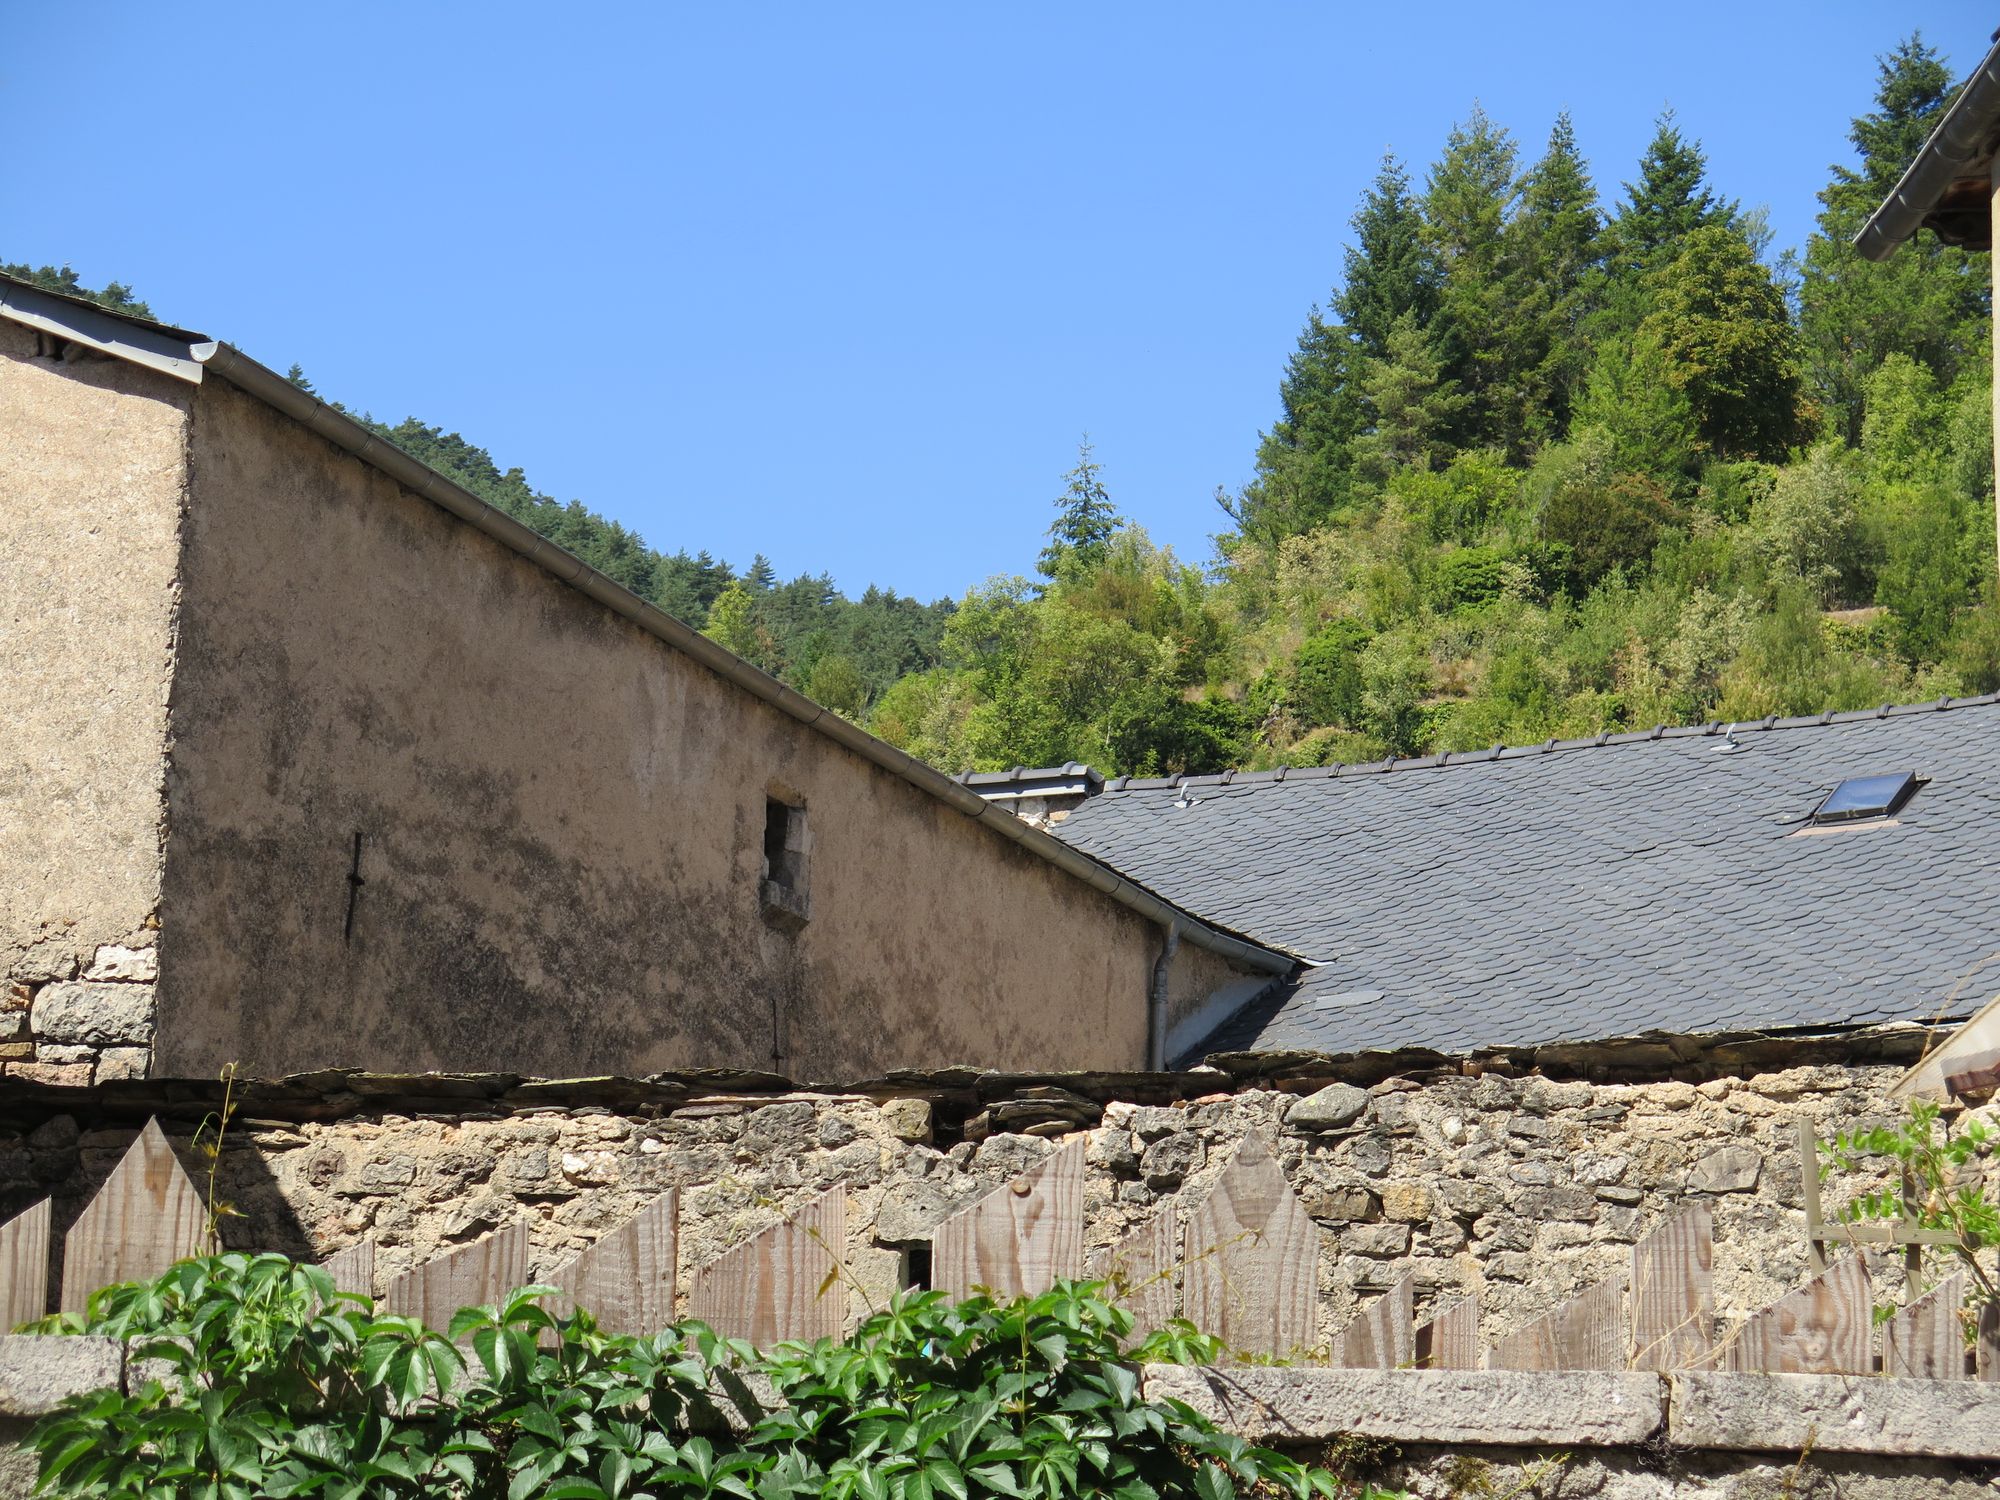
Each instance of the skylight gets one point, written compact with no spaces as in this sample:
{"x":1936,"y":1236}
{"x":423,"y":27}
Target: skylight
{"x":1866,"y":797}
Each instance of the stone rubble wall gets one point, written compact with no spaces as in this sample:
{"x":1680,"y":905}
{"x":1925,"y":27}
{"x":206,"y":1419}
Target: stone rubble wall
{"x":84,"y":1023}
{"x":1519,"y":1192}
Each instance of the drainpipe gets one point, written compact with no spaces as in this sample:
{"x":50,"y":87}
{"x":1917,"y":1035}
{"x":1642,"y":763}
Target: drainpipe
{"x":1156,"y":1001}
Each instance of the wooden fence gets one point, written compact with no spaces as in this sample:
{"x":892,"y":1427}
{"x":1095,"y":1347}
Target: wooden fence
{"x":1242,"y":1263}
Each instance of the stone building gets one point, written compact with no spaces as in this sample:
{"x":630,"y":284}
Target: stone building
{"x":313,"y":759}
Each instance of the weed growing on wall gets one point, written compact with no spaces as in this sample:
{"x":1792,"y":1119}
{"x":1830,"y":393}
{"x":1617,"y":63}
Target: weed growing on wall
{"x":266,"y":1382}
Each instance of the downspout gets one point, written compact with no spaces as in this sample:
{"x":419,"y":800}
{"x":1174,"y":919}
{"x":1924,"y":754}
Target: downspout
{"x":1156,"y":1001}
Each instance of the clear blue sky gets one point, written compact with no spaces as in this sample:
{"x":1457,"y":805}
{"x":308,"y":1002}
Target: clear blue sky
{"x":842,"y":284}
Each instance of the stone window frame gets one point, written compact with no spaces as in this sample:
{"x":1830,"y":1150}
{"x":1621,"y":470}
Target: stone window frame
{"x":784,"y":880}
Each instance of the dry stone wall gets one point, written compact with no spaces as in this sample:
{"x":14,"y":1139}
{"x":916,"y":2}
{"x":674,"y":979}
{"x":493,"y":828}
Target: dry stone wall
{"x":74,"y":1024}
{"x":1517,"y":1191}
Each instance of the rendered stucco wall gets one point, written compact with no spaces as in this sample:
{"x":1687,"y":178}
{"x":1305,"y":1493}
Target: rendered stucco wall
{"x":560,"y":823}
{"x":92,"y":465}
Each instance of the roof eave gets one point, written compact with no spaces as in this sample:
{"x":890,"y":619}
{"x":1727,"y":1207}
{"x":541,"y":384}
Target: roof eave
{"x":1959,"y":151}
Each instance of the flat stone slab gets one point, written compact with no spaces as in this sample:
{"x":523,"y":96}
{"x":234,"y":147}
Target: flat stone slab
{"x":1491,"y":1408}
{"x":1834,"y":1414}
{"x":38,"y":1370}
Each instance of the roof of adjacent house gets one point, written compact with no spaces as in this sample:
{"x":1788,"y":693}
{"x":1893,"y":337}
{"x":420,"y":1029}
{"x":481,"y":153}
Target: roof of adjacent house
{"x":191,"y":357}
{"x":1948,"y":189}
{"x":1593,"y":889}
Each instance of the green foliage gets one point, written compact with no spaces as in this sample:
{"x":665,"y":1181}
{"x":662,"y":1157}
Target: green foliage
{"x":272,"y":1385}
{"x":1941,"y":1176}
{"x":1607,"y":523}
{"x":1726,"y":342}
{"x":1086,"y":521}
{"x":1327,"y":675}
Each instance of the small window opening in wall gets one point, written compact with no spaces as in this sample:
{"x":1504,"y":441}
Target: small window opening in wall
{"x":917,"y":1267}
{"x":786,"y":847}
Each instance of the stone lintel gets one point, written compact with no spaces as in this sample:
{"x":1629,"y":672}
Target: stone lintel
{"x":1835,"y":1414}
{"x":1485,"y":1408}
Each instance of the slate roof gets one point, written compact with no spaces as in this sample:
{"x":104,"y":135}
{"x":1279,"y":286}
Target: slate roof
{"x":1593,"y":889}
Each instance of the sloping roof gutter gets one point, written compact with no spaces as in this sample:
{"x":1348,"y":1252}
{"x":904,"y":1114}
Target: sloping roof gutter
{"x":188,"y":358}
{"x":1960,"y":148}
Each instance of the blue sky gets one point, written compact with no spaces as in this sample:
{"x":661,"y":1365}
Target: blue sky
{"x":842,"y":284}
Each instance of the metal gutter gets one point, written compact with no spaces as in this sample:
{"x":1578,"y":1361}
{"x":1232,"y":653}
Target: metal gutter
{"x":188,"y":358}
{"x":1965,"y":133}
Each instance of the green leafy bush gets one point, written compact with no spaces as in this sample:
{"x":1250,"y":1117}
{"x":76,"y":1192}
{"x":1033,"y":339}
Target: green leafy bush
{"x":271,"y":1384}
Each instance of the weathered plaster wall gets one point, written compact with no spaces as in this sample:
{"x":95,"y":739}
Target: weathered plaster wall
{"x":560,"y":824}
{"x":92,"y":465}
{"x":1517,"y":1191}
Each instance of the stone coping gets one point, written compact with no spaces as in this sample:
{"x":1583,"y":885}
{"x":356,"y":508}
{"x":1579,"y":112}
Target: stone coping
{"x":1834,"y":1414}
{"x":1724,"y":1411}
{"x":1479,"y":1408}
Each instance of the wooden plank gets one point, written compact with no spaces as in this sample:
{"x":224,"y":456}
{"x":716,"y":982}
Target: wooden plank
{"x":24,"y":1267}
{"x":1809,"y":1191}
{"x":476,"y":1275}
{"x":1926,"y":1340}
{"x":626,"y":1279}
{"x":1673,"y":1295}
{"x":1823,"y":1328}
{"x":1987,"y":1362}
{"x":1018,"y":1239}
{"x":1143,"y":1272}
{"x":1384,"y":1335}
{"x":353,"y":1269}
{"x":146,"y":1216}
{"x":1965,"y":1049}
{"x":779,"y":1284}
{"x":1450,"y":1340}
{"x":1585,"y":1333}
{"x":1251,"y":1259}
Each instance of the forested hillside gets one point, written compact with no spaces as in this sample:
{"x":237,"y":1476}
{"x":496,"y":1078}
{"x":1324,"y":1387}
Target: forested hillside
{"x":1553,"y":459}
{"x":1543,"y":466}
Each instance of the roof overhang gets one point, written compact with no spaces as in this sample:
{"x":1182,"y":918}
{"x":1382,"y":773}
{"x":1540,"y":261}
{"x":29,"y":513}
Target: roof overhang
{"x":192,"y":357}
{"x":1948,"y":189}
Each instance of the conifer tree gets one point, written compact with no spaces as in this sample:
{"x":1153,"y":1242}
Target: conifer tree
{"x":1670,"y":201}
{"x":1928,"y":300}
{"x":1388,"y":271}
{"x":1556,"y":249}
{"x":1414,"y":406}
{"x":1466,"y":205}
{"x":1085,"y":523}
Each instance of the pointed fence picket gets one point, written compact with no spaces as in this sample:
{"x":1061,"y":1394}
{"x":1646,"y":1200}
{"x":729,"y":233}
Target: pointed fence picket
{"x":626,"y":1279}
{"x":1383,"y":1335}
{"x":474,"y":1275}
{"x":1250,"y":1272}
{"x":24,"y":1267}
{"x":1450,"y":1340}
{"x":1018,"y":1239}
{"x":783,"y":1283}
{"x":1144,"y":1272}
{"x":1588,"y":1332}
{"x":1926,"y":1340}
{"x":146,"y":1216}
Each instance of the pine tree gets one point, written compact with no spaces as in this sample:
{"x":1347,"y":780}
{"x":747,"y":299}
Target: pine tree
{"x":762,"y":577}
{"x":1555,"y":251}
{"x":1388,"y":271}
{"x":1414,"y":404}
{"x":1086,"y":520}
{"x":1466,"y":205}
{"x":1670,"y":201}
{"x":1927,"y":300}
